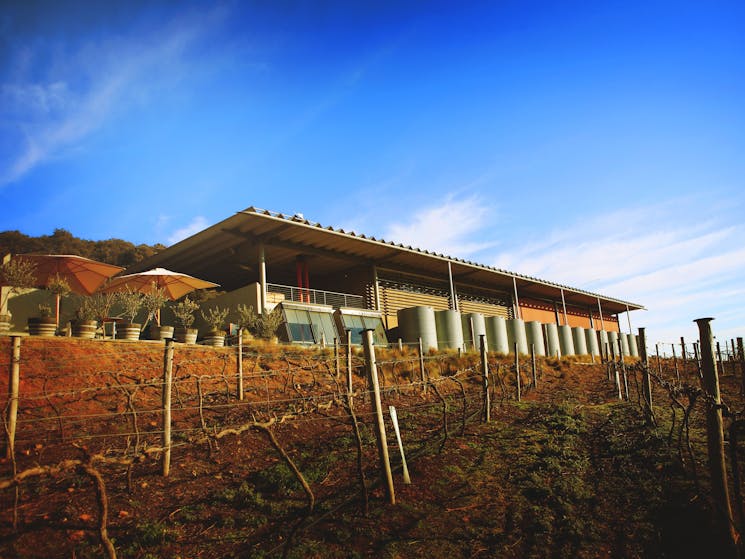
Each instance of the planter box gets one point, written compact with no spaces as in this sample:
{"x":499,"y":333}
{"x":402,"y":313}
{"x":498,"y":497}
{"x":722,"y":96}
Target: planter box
{"x":215,"y":338}
{"x":161,"y":332}
{"x":185,"y":335}
{"x":84,"y":329}
{"x":128,"y":331}
{"x":42,"y":326}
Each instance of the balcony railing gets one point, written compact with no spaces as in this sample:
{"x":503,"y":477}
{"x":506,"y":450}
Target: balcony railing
{"x":315,"y":296}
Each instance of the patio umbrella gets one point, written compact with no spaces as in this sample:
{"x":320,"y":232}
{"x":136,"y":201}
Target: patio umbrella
{"x":174,"y":284}
{"x":83,"y":275}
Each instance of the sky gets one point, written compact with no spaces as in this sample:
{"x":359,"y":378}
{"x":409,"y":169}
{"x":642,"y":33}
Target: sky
{"x":599,"y":145}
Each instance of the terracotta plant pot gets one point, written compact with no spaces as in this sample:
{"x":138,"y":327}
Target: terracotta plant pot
{"x":128,"y":331}
{"x":185,"y":335}
{"x":161,"y":332}
{"x":215,"y":338}
{"x":4,"y":323}
{"x":84,"y":329}
{"x":42,"y":326}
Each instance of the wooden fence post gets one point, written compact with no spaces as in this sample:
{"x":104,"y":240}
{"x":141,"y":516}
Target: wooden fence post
{"x":715,"y":433}
{"x":240,"y":363}
{"x":350,"y":388}
{"x":533,"y":366}
{"x":14,"y":381}
{"x":646,"y":381}
{"x":675,"y":365}
{"x":404,"y":467}
{"x":617,"y":377}
{"x":422,"y":370}
{"x":517,"y":372}
{"x":741,"y":358}
{"x":166,"y":423}
{"x":372,"y":370}
{"x":485,"y":371}
{"x":337,"y":365}
{"x":719,"y":358}
{"x":400,"y":345}
{"x":683,"y":354}
{"x":623,"y":370}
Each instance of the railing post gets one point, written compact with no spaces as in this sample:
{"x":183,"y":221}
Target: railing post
{"x":715,"y":434}
{"x":166,"y":423}
{"x":14,"y":381}
{"x":485,"y":372}
{"x":372,"y":369}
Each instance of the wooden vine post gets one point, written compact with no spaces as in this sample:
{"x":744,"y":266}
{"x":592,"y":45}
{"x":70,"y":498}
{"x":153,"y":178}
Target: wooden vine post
{"x":615,"y":371}
{"x":422,"y":370}
{"x":741,"y":358}
{"x":715,"y":434}
{"x":14,"y":381}
{"x":350,"y":387}
{"x":240,"y":363}
{"x":646,"y":381}
{"x":485,"y":371}
{"x":167,"y":383}
{"x":533,"y":366}
{"x":517,"y":372}
{"x":372,"y":370}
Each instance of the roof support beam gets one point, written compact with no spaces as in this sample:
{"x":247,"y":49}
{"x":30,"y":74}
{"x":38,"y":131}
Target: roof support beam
{"x":453,"y":295}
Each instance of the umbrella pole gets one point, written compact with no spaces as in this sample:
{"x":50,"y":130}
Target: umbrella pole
{"x":57,"y":309}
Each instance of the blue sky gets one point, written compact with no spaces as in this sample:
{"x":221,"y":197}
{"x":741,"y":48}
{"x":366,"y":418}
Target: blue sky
{"x":596,"y":144}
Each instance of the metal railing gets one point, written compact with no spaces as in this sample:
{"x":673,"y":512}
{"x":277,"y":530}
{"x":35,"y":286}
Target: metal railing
{"x":317,"y":297}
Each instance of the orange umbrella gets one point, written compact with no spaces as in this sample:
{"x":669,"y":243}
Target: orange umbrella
{"x":174,"y":284}
{"x":83,"y":275}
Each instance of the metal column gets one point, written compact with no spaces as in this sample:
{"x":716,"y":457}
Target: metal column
{"x":453,"y":295}
{"x":262,"y":277}
{"x":518,"y":312}
{"x":564,"y":304}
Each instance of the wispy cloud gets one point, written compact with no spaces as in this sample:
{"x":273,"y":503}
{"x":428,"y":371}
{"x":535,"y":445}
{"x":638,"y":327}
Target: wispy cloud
{"x":663,"y":257}
{"x":80,"y":93}
{"x":449,"y":228}
{"x":195,"y":226}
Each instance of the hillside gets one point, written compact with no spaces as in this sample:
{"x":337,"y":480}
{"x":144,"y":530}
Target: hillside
{"x":111,"y":251}
{"x":568,"y":471}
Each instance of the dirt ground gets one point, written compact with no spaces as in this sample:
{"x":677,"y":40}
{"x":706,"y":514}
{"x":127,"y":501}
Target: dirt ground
{"x":567,"y":471}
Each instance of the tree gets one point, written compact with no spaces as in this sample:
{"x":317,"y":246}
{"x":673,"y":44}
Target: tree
{"x":16,"y":275}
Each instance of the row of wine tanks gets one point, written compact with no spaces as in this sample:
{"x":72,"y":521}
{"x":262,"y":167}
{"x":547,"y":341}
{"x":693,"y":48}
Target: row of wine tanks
{"x":450,"y":329}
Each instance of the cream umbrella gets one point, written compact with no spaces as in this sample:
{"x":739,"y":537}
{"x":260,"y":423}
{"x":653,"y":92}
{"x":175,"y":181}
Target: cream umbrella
{"x":174,"y":284}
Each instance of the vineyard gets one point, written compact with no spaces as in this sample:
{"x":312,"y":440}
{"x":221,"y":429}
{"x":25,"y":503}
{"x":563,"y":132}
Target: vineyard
{"x":145,"y":450}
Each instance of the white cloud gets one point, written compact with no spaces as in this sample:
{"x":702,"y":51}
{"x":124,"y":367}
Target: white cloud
{"x":668,"y":258}
{"x":449,"y":228}
{"x":196,"y":225}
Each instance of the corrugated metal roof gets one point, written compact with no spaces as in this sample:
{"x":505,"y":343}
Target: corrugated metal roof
{"x":224,"y":252}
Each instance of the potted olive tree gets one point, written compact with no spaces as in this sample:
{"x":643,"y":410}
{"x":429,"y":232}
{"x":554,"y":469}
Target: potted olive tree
{"x":215,"y":319}
{"x":15,"y":276}
{"x":152,"y":302}
{"x":102,"y":303}
{"x":85,"y":323}
{"x":262,"y":326}
{"x":130,"y":302}
{"x":44,"y":324}
{"x":184,"y":313}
